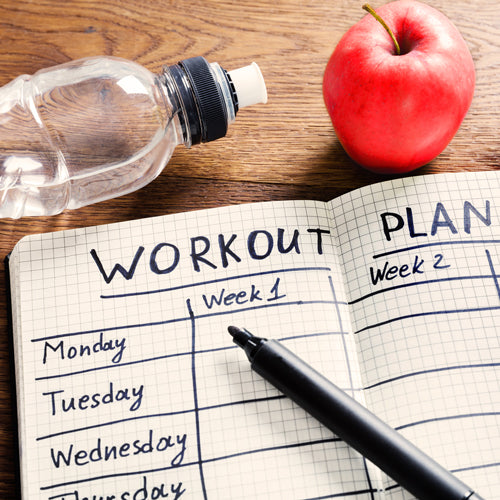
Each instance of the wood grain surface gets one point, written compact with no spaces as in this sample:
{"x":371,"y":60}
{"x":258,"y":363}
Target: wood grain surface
{"x":285,"y":149}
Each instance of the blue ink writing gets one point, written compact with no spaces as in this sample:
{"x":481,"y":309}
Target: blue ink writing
{"x":63,"y":351}
{"x":117,"y":267}
{"x":172,"y":260}
{"x":144,"y":492}
{"x":275,"y":292}
{"x":254,"y":294}
{"x":106,"y":452}
{"x":84,"y":402}
{"x":404,"y":271}
{"x":258,"y":245}
{"x":393,"y":222}
{"x":228,"y":299}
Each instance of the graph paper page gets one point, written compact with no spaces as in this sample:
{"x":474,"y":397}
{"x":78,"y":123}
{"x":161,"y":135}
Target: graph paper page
{"x":421,"y":258}
{"x":129,"y":386}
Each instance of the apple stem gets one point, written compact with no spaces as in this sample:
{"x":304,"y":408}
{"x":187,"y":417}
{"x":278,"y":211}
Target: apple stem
{"x":369,"y":9}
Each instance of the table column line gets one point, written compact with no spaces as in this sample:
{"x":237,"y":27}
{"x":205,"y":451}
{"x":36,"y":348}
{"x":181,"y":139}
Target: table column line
{"x":492,"y":269}
{"x":343,"y":332}
{"x":195,"y":397}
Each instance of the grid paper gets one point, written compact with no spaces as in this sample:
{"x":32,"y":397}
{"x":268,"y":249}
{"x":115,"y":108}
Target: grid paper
{"x":421,"y":258}
{"x":129,"y":385}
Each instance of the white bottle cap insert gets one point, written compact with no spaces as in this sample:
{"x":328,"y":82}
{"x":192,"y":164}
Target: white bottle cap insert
{"x":249,"y":84}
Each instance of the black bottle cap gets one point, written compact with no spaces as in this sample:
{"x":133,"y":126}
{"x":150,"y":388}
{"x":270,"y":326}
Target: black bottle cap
{"x":209,"y":98}
{"x":202,"y":99}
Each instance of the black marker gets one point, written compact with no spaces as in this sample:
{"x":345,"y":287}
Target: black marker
{"x":350,"y":421}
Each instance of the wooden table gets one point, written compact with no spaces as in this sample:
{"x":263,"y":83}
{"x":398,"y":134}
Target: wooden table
{"x":283,"y":150}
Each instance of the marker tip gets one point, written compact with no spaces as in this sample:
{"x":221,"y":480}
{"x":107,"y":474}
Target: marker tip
{"x":233,"y":330}
{"x":240,"y":335}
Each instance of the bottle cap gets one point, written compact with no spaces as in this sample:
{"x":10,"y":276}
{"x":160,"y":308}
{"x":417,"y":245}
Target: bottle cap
{"x":209,"y":99}
{"x":205,"y":96}
{"x":249,"y":85}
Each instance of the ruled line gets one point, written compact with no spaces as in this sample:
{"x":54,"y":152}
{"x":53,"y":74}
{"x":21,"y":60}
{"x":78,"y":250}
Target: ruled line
{"x":434,"y":244}
{"x":219,"y":280}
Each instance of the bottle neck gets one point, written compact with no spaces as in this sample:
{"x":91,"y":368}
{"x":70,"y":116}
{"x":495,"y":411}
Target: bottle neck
{"x":203,"y":97}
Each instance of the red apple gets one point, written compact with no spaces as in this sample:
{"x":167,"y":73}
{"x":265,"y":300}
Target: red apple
{"x":394,"y":113}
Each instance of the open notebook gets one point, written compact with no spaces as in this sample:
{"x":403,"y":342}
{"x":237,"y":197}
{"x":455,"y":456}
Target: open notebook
{"x":129,"y":387}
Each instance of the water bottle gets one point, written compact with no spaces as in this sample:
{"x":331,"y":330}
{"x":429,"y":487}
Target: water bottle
{"x":102,"y":127}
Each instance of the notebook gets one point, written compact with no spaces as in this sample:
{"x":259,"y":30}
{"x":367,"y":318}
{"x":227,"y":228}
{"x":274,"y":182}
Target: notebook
{"x":129,"y":386}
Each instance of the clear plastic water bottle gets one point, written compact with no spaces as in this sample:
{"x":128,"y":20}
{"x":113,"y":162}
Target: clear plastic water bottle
{"x":102,"y":127}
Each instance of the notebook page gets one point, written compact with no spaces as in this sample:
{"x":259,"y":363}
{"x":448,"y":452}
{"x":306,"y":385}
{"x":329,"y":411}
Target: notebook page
{"x":12,"y":264}
{"x":131,"y":387}
{"x":422,"y":262}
